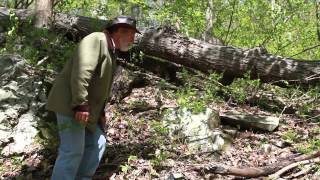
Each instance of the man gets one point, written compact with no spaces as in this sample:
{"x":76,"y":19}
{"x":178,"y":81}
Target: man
{"x":78,"y":97}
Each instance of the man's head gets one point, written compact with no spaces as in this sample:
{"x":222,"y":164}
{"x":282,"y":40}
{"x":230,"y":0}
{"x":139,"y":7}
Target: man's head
{"x":122,"y":30}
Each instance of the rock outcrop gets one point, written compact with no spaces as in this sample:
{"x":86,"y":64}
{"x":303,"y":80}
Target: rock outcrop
{"x":22,"y":98}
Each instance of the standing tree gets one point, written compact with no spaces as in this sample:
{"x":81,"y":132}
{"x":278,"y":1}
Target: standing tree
{"x":43,"y":13}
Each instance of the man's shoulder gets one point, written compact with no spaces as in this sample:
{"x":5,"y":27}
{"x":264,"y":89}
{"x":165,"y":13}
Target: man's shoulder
{"x":98,"y":35}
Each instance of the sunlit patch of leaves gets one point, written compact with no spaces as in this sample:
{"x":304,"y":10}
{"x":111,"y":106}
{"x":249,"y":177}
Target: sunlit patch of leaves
{"x":312,"y":144}
{"x":309,"y":146}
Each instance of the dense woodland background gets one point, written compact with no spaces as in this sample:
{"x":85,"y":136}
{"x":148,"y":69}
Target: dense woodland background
{"x":287,"y":29}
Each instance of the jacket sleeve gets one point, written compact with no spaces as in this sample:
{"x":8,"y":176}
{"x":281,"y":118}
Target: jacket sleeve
{"x":84,"y":64}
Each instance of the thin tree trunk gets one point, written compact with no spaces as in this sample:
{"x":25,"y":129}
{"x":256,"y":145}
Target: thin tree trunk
{"x":43,"y":13}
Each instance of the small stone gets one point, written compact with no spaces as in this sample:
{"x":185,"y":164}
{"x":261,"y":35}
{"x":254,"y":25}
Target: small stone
{"x":232,"y":131}
{"x":112,"y":131}
{"x":174,"y":176}
{"x":281,"y":144}
{"x":6,"y":95}
{"x":245,"y":120}
{"x":170,"y":162}
{"x":266,"y":148}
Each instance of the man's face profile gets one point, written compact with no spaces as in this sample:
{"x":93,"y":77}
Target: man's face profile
{"x":125,"y":37}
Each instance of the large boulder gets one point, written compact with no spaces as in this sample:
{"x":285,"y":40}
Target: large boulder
{"x":201,"y":131}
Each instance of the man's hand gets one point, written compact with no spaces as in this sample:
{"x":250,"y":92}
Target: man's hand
{"x":81,"y":116}
{"x":82,"y":113}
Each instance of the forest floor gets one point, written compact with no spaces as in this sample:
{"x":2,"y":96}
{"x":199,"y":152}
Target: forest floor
{"x":139,"y":146}
{"x":131,"y":153}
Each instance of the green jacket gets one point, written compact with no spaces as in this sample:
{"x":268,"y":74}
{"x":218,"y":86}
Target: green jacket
{"x":86,"y":78}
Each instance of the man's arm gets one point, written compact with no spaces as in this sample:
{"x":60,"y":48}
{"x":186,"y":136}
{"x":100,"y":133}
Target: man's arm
{"x":84,"y":65}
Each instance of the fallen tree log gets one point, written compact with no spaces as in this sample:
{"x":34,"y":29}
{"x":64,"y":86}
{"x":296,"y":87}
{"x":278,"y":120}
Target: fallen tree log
{"x":193,"y":53}
{"x":171,"y":46}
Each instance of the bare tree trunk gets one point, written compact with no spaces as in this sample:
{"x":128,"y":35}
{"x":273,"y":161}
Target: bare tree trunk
{"x":43,"y":13}
{"x":208,"y":35}
{"x":209,"y":18}
{"x":135,"y":11}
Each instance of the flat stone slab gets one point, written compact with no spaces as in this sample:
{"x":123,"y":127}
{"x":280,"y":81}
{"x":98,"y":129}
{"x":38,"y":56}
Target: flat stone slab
{"x":250,"y":121}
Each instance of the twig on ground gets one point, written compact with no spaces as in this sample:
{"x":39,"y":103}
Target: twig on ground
{"x":293,"y":165}
{"x":42,"y":60}
{"x":252,"y":172}
{"x":304,"y":171}
{"x":313,"y":117}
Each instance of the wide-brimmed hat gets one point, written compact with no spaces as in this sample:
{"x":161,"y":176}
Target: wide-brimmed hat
{"x":122,"y":20}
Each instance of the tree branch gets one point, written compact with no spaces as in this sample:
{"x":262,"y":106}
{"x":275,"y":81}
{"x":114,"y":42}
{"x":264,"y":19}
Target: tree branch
{"x":317,"y":18}
{"x":29,"y":3}
{"x":230,"y":22}
{"x":310,"y":48}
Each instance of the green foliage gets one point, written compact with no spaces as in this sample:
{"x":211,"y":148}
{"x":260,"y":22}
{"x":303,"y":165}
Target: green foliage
{"x":308,"y":101}
{"x":243,"y":88}
{"x":49,"y":45}
{"x":11,"y":34}
{"x":160,"y":156}
{"x":37,"y":45}
{"x":188,"y":15}
{"x":213,"y":87}
{"x":285,"y":28}
{"x":188,"y":97}
{"x":158,"y":128}
{"x":195,"y":99}
{"x":126,"y":167}
{"x":290,"y":136}
{"x":15,"y":161}
{"x":310,"y":146}
{"x":7,"y":3}
{"x":281,"y":26}
{"x":303,"y":100}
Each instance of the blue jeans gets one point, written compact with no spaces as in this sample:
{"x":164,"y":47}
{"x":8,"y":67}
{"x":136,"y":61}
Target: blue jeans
{"x":80,"y":150}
